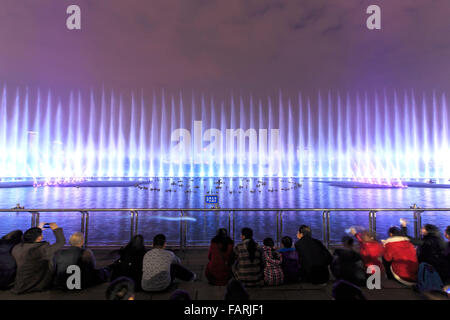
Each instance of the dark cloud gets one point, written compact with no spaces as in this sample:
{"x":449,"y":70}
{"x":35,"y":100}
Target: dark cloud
{"x":249,"y":45}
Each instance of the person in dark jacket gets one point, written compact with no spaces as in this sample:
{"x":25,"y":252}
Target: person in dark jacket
{"x":347,"y":264}
{"x":289,"y":262}
{"x":129,"y":263}
{"x":431,"y":248}
{"x":314,"y":257}
{"x":34,"y":259}
{"x":218,"y":270}
{"x":7,"y":263}
{"x":83,"y":258}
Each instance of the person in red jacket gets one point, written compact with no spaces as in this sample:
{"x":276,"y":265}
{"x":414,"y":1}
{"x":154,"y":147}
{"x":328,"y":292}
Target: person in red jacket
{"x":400,"y":258}
{"x":220,"y":255}
{"x":370,"y":249}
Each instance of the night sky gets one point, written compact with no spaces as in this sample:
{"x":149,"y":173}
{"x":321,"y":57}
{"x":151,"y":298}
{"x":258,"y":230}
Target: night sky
{"x":222,"y":46}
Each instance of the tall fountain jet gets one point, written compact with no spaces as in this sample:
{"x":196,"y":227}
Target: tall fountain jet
{"x":367,"y":136}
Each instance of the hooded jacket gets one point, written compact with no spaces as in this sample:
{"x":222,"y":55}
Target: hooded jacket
{"x":34,"y":264}
{"x":402,"y":255}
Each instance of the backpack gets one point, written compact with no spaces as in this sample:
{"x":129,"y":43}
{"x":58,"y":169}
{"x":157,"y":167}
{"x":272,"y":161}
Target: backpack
{"x":428,"y":279}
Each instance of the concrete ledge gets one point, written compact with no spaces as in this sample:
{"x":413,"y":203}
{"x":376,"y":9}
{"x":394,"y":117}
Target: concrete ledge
{"x":196,"y":260}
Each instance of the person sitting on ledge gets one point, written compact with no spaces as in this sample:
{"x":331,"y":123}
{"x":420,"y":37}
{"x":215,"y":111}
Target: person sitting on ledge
{"x":161,"y":267}
{"x":83,"y":258}
{"x":370,"y":249}
{"x":273,"y":273}
{"x":129,"y":263}
{"x":430,"y":248}
{"x":220,"y":256}
{"x":34,"y":259}
{"x":7,"y":263}
{"x":347,"y":264}
{"x":289,"y":261}
{"x":400,"y":258}
{"x":121,"y":289}
{"x":314,"y":257}
{"x":248,"y":267}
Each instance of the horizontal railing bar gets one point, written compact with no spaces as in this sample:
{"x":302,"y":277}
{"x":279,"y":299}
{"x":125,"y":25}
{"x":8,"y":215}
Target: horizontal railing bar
{"x":222,"y":209}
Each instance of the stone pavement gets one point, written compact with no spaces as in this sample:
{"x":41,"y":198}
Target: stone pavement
{"x":196,"y":259}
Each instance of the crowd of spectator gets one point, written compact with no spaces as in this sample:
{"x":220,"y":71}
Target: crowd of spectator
{"x":30,"y":264}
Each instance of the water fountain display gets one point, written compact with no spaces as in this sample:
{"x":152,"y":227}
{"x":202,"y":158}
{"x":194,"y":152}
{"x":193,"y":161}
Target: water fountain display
{"x":376,"y":137}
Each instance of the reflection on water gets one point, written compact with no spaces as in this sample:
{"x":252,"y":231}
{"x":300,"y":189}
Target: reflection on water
{"x":114,"y":227}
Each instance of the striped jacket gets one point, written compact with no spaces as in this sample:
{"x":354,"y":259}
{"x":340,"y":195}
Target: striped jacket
{"x":273,"y":273}
{"x":250,"y":273}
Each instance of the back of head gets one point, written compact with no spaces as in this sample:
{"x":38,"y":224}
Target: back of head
{"x":268,"y":242}
{"x":247,"y":233}
{"x":180,"y":295}
{"x":286,"y":241}
{"x":432,"y":230}
{"x":222,"y":239}
{"x":136,"y":243}
{"x":31,"y":235}
{"x":159,"y":240}
{"x":77,"y":239}
{"x":343,"y":290}
{"x":222,"y":233}
{"x":305,"y":230}
{"x":395,"y":231}
{"x":14,"y":236}
{"x":347,"y":241}
{"x":236,"y":291}
{"x":120,"y":289}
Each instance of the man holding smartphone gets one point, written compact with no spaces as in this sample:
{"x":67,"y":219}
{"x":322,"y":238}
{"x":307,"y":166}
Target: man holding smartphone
{"x":34,"y":259}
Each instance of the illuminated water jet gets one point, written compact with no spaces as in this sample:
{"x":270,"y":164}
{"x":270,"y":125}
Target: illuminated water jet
{"x":380,"y":137}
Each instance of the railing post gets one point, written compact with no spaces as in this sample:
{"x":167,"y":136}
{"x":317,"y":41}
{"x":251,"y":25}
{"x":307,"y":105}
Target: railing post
{"x":86,"y":229}
{"x":136,"y":222}
{"x":37,"y":217}
{"x":278,"y":227}
{"x":181,"y":229}
{"x":326,"y":227}
{"x":229,"y":223}
{"x":373,"y":221}
{"x":83,"y":221}
{"x":33,"y":219}
{"x":133,"y":218}
{"x":184,"y":234}
{"x":234,"y":227}
{"x":417,"y":223}
{"x":281,"y":227}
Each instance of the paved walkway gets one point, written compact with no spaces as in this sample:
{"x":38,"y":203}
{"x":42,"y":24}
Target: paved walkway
{"x":196,"y":260}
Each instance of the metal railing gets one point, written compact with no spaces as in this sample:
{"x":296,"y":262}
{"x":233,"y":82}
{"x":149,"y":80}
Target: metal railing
{"x":326,"y":212}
